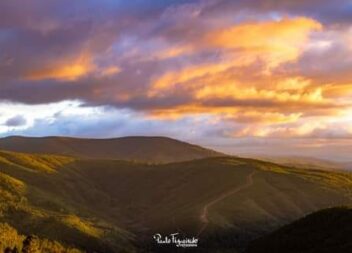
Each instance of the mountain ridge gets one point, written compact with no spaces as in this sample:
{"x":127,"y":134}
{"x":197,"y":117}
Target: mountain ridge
{"x":154,"y":149}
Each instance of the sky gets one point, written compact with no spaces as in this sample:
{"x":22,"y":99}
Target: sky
{"x":244,"y":76}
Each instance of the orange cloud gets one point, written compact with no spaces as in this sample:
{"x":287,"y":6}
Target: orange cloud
{"x":264,"y":117}
{"x":228,"y":113}
{"x":269,"y":100}
{"x":235,"y":91}
{"x":68,"y":71}
{"x":309,"y":127}
{"x":293,"y":83}
{"x":174,"y":51}
{"x":109,"y":71}
{"x":338,"y":90}
{"x":283,"y":131}
{"x":273,"y":41}
{"x":177,"y":112}
{"x":173,"y":78}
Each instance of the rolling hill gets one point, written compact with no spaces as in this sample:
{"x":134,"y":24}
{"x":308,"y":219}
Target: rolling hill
{"x":325,"y":231}
{"x":137,"y":148}
{"x":117,"y":206}
{"x":35,"y":199}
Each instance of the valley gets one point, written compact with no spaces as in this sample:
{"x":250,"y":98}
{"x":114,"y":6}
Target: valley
{"x":106,"y":205}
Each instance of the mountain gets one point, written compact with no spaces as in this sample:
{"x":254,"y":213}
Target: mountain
{"x":304,"y":162}
{"x":117,"y":206}
{"x":348,"y":165}
{"x":325,"y":231}
{"x":141,"y":149}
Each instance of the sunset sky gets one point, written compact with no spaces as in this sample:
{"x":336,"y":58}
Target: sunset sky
{"x":244,"y":77}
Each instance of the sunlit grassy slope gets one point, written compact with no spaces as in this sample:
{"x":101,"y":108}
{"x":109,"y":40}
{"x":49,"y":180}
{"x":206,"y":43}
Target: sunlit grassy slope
{"x":114,"y":206}
{"x":325,"y":231}
{"x":138,"y":148}
{"x":10,"y":238}
{"x":37,"y":198}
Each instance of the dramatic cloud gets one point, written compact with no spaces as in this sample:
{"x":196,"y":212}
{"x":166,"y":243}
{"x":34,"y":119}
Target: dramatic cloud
{"x":244,"y":69}
{"x":275,"y":42}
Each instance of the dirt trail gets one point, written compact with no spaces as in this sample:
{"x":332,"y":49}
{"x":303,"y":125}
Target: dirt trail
{"x":205,"y":211}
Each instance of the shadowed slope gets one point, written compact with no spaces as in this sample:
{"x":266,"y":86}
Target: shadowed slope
{"x":143,"y":149}
{"x":169,"y":198}
{"x":205,"y":211}
{"x":325,"y":231}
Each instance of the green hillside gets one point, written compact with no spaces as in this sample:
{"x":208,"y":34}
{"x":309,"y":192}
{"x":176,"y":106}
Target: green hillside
{"x":325,"y":231}
{"x":117,"y":206}
{"x":11,"y":239}
{"x":36,"y":198}
{"x":137,"y":148}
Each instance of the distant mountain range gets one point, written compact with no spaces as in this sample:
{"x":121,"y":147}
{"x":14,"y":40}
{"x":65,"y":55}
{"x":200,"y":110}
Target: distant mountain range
{"x":305,"y":162}
{"x":138,"y":148}
{"x":348,"y":165}
{"x":91,"y":195}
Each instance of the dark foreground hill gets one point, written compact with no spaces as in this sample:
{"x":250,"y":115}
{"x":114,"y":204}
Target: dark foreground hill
{"x":138,"y":148}
{"x":326,"y":231}
{"x":109,"y":206}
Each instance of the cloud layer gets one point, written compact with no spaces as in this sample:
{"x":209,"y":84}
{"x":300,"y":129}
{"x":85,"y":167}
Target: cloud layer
{"x":244,"y":69}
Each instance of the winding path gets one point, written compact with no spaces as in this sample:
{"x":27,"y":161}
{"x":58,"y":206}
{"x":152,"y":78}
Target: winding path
{"x":204,"y":215}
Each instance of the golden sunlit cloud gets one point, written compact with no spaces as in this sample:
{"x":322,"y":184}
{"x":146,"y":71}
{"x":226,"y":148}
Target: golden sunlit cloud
{"x":275,"y":42}
{"x":340,"y":90}
{"x":170,"y":79}
{"x":70,"y":72}
{"x":235,"y":91}
{"x":264,"y":117}
{"x":284,"y":131}
{"x":173,"y":52}
{"x":293,"y":83}
{"x":267,"y":104}
{"x":109,"y":71}
{"x":67,"y":71}
{"x":309,"y":127}
{"x":231,"y":114}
